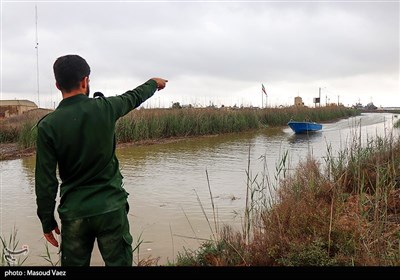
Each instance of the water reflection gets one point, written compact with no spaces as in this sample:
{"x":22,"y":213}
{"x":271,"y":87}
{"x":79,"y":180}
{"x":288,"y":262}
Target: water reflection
{"x":305,"y":137}
{"x":28,"y":169}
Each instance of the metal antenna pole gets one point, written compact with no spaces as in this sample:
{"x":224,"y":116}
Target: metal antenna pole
{"x":37,"y":57}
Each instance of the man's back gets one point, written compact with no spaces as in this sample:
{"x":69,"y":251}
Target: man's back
{"x":81,"y":132}
{"x":79,"y":136}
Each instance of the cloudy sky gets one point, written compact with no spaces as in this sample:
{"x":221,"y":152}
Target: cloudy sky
{"x":210,"y":51}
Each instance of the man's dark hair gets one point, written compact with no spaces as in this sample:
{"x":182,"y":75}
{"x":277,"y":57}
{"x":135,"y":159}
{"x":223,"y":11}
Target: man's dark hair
{"x":69,"y":70}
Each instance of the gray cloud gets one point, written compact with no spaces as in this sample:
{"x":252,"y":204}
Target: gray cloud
{"x":231,"y":46}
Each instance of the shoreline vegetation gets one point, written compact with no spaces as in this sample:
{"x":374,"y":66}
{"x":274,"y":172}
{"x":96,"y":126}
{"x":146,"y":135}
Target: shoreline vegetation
{"x":149,"y":126}
{"x":344,"y":211}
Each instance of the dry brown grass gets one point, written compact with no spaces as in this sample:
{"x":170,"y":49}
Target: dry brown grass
{"x":301,"y":215}
{"x":29,"y":116}
{"x":149,"y":261}
{"x":319,"y":219}
{"x":13,"y":129}
{"x":364,"y":226}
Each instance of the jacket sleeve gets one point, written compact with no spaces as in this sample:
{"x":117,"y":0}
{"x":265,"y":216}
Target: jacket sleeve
{"x":46,"y":183}
{"x":124,"y":103}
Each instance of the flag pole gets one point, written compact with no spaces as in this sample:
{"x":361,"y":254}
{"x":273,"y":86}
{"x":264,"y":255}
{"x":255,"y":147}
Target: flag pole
{"x":263,"y":91}
{"x":262,"y":99}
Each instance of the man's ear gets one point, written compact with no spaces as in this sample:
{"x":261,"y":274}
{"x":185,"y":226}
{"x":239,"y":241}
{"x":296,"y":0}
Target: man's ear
{"x":58,"y":86}
{"x":85,"y":82}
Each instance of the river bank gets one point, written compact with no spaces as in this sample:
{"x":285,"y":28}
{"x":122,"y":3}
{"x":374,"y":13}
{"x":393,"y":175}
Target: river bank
{"x":9,"y":151}
{"x":153,"y":126}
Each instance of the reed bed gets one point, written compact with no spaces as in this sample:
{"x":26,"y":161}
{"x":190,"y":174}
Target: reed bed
{"x":166,"y":123}
{"x":21,"y":129}
{"x":344,"y":212}
{"x":154,"y":124}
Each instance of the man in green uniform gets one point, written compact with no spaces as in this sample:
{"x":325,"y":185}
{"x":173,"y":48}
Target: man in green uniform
{"x":79,"y":136}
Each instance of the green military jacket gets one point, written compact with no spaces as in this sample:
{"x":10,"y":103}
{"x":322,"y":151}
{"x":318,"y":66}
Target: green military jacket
{"x":79,"y":136}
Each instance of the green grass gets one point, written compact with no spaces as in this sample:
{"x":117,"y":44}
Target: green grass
{"x":27,"y":136}
{"x":47,"y":256}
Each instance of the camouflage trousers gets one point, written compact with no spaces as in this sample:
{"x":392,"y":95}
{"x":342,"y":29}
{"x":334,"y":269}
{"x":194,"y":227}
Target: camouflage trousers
{"x":113,"y":238}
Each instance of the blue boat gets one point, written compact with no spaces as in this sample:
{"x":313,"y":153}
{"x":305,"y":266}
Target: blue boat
{"x":304,"y":127}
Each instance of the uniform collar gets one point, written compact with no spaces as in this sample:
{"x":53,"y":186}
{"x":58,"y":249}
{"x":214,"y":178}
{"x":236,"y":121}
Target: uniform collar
{"x":72,"y":100}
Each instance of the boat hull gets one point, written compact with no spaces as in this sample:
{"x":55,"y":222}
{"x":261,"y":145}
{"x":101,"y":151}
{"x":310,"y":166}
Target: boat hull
{"x":304,"y":127}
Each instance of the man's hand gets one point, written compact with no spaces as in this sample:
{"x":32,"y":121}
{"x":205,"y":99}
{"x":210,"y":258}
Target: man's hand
{"x":50,"y":237}
{"x":161,"y":83}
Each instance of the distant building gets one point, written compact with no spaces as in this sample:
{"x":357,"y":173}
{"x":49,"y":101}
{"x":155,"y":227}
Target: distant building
{"x":298,"y":101}
{"x":9,"y":108}
{"x":371,"y":106}
{"x":358,"y":106}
